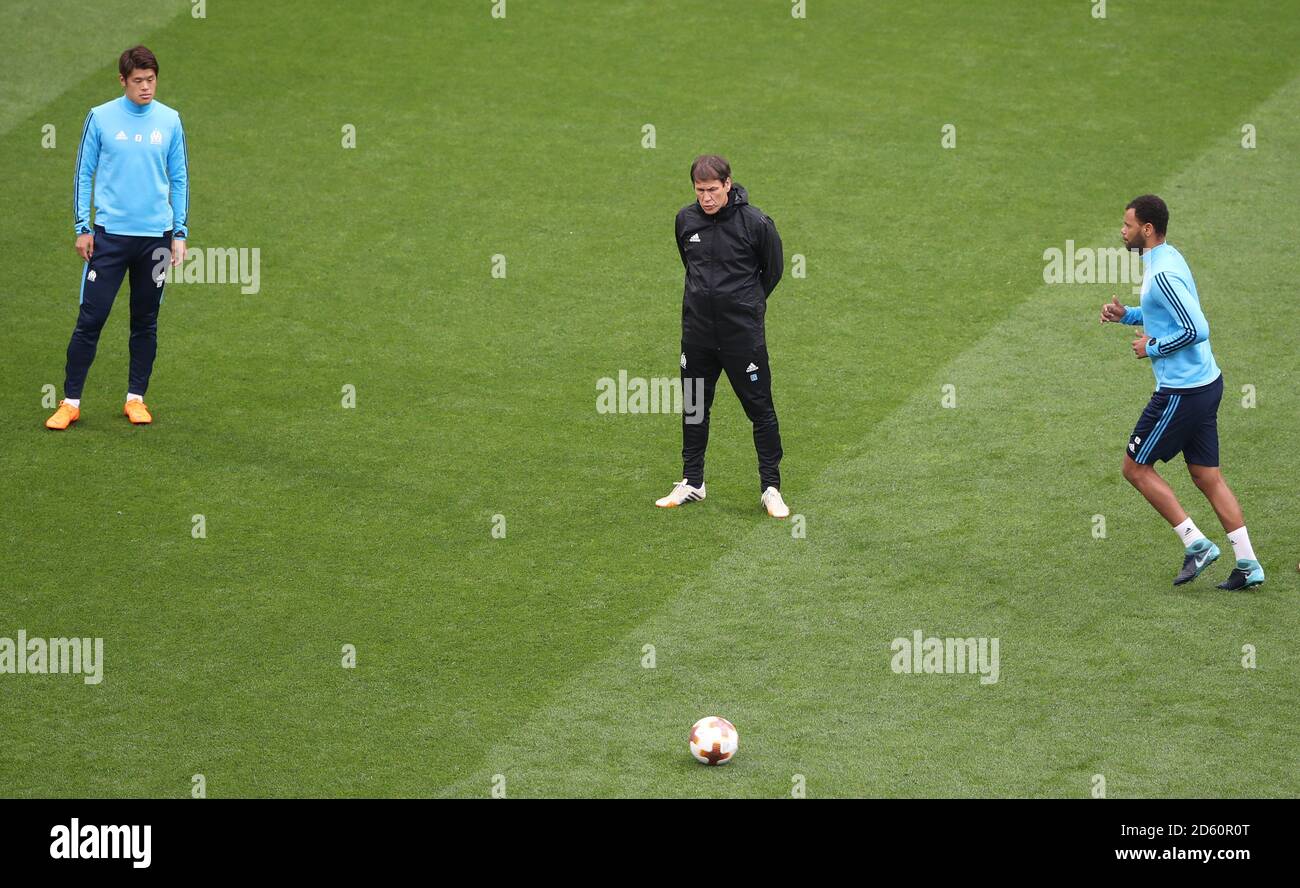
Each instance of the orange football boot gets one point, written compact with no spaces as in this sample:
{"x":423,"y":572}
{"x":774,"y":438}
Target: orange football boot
{"x":65,"y":416}
{"x":137,"y":413}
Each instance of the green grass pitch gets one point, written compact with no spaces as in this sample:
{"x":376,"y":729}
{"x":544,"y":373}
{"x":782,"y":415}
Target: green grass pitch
{"x":524,"y":656}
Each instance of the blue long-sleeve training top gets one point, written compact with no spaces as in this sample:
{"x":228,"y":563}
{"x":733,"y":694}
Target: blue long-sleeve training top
{"x":136,"y":157}
{"x":1171,"y":312}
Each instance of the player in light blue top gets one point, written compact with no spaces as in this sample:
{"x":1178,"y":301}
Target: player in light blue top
{"x":1178,"y":333}
{"x":1182,"y":416}
{"x":136,"y":156}
{"x":132,"y":158}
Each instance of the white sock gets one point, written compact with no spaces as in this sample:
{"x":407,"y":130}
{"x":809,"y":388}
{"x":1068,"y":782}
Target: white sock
{"x":131,"y":397}
{"x":1188,"y":532}
{"x":75,"y":402}
{"x":1241,"y":544}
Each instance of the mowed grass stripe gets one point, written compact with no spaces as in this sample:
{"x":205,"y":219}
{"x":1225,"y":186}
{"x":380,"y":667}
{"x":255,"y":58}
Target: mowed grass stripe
{"x":83,"y":37}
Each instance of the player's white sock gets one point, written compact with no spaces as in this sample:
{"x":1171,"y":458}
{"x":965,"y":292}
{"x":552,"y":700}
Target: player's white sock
{"x":76,"y":402}
{"x":1189,"y":533}
{"x":134,"y":397}
{"x":1241,"y":544}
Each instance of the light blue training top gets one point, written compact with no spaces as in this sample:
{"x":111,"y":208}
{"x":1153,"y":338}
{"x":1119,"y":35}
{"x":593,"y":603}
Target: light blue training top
{"x":1171,"y":312}
{"x":137,"y":158}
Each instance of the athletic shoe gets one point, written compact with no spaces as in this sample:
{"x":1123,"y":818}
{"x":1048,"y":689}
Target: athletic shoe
{"x":1245,"y":575}
{"x":775,"y":506}
{"x":1200,"y":555}
{"x":137,"y":412}
{"x":65,"y":416}
{"x":683,"y":492}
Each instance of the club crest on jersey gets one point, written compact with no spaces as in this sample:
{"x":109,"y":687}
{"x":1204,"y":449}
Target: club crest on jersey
{"x":683,"y":360}
{"x":155,"y":137}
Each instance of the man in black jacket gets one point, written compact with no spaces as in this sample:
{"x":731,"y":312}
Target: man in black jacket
{"x":733,"y":261}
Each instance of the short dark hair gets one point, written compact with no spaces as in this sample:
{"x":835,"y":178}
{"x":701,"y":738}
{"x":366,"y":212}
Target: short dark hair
{"x":710,"y":166}
{"x":137,"y":57}
{"x":1149,"y":208}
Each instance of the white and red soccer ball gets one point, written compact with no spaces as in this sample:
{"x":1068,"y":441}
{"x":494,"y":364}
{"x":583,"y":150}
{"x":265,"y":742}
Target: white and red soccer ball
{"x":714,"y":740}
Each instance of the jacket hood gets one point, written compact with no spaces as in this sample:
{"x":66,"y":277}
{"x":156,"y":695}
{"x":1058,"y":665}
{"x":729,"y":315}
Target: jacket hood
{"x":738,"y":197}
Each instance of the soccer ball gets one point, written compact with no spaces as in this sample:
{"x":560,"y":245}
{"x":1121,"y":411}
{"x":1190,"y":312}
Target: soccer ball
{"x":714,"y":740}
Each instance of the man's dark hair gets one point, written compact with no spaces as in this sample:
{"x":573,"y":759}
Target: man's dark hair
{"x":137,"y":57}
{"x":710,"y":166}
{"x":1149,"y":208}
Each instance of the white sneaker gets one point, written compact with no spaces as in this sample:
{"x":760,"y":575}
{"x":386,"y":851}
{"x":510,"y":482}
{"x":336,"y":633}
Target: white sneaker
{"x":775,"y":506}
{"x":682,"y":493}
